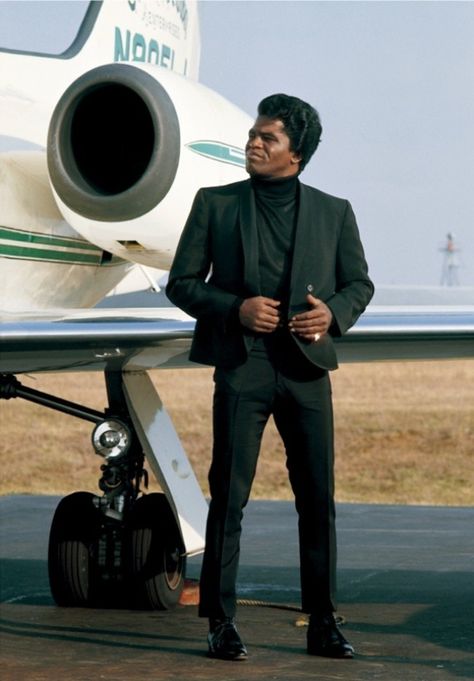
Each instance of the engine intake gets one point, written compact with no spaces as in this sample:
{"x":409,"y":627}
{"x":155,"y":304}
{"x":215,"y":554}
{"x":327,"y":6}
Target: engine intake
{"x":113,"y":144}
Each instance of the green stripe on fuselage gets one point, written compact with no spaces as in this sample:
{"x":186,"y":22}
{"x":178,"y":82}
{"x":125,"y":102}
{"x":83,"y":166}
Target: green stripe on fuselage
{"x":46,"y":239}
{"x":26,"y":253}
{"x":217,"y":151}
{"x":67,"y":250}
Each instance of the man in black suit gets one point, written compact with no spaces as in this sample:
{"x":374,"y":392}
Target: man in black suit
{"x":287,"y":274}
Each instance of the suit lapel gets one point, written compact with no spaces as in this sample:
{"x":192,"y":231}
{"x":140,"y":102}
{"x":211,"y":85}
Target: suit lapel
{"x":307,"y":249}
{"x":248,"y":231}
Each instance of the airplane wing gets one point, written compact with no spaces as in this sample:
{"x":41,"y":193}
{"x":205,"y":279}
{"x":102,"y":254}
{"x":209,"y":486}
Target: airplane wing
{"x":410,"y":333}
{"x":94,"y":340}
{"x":147,"y":338}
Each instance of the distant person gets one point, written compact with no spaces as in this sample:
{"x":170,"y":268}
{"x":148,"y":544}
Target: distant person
{"x":287,"y":274}
{"x":449,"y":275}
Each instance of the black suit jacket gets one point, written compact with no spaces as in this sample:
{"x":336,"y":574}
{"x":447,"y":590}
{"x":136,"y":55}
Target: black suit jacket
{"x":216,"y":267}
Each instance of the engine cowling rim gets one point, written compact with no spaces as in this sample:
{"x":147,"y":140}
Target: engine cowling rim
{"x":73,"y":189}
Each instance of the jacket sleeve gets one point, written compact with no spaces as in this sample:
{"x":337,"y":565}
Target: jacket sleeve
{"x":354,"y":289}
{"x":188,"y":285}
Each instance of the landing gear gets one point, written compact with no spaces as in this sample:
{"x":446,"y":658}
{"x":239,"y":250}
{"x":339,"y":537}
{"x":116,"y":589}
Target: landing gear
{"x":97,"y":561}
{"x":121,"y":549}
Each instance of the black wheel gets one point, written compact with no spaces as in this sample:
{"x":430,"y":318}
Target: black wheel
{"x":158,"y":562}
{"x":75,"y":529}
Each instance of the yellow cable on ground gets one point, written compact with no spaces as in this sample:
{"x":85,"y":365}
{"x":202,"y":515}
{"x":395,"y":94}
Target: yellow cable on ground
{"x":302,"y":621}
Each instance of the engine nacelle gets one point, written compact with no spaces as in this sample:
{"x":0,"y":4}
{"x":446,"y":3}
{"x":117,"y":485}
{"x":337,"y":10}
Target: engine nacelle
{"x":129,"y":147}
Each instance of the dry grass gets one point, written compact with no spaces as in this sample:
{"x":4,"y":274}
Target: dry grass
{"x":404,"y":434}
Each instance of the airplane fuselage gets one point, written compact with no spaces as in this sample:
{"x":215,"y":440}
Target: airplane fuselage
{"x":41,"y":247}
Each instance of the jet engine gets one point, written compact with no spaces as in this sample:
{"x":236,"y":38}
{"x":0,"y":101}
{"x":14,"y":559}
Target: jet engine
{"x":128,"y":148}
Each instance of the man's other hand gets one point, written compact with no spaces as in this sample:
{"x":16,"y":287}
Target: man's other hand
{"x":260,"y":314}
{"x":314,"y":323}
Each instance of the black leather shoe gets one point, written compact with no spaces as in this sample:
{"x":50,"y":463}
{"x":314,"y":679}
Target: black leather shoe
{"x":325,"y":639}
{"x":224,"y":640}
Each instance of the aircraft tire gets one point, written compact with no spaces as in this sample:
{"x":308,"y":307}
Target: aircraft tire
{"x":74,"y":531}
{"x":157,"y":554}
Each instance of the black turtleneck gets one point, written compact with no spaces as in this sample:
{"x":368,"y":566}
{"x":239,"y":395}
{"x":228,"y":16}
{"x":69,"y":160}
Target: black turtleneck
{"x":276,"y":203}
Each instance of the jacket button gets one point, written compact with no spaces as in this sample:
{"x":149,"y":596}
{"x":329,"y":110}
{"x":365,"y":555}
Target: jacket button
{"x":309,"y":288}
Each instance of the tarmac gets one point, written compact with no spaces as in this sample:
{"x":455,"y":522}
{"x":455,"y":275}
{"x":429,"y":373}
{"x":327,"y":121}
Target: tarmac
{"x":406,"y":592}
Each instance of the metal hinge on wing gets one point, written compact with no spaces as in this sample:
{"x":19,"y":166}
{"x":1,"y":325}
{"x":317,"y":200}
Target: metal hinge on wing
{"x":109,"y":354}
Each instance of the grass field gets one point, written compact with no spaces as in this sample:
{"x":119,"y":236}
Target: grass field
{"x":404,"y":434}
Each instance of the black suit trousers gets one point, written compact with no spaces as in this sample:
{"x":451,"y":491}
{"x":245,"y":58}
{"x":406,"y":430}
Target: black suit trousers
{"x":276,"y":379}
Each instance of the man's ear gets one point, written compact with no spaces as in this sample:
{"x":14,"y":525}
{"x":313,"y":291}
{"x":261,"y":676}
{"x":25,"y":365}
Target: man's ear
{"x":296,"y":157}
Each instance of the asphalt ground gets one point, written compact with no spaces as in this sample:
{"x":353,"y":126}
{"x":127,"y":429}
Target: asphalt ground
{"x":406,"y":591}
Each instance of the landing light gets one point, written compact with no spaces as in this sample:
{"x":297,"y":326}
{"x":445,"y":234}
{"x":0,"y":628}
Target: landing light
{"x":111,"y":439}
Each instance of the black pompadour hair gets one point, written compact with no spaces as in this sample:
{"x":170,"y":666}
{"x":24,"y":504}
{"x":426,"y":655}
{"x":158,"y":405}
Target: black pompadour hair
{"x":301,"y":121}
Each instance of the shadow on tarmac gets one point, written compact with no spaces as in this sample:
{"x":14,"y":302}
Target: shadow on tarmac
{"x":405,"y":588}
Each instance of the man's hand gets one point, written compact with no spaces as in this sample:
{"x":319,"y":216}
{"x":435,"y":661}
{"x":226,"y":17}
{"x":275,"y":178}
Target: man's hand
{"x":260,"y":314}
{"x":313,"y":324}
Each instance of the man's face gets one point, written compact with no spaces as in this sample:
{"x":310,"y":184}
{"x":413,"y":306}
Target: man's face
{"x":267,"y":151}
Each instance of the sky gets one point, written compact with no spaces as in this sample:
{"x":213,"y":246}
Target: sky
{"x":394,"y":85}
